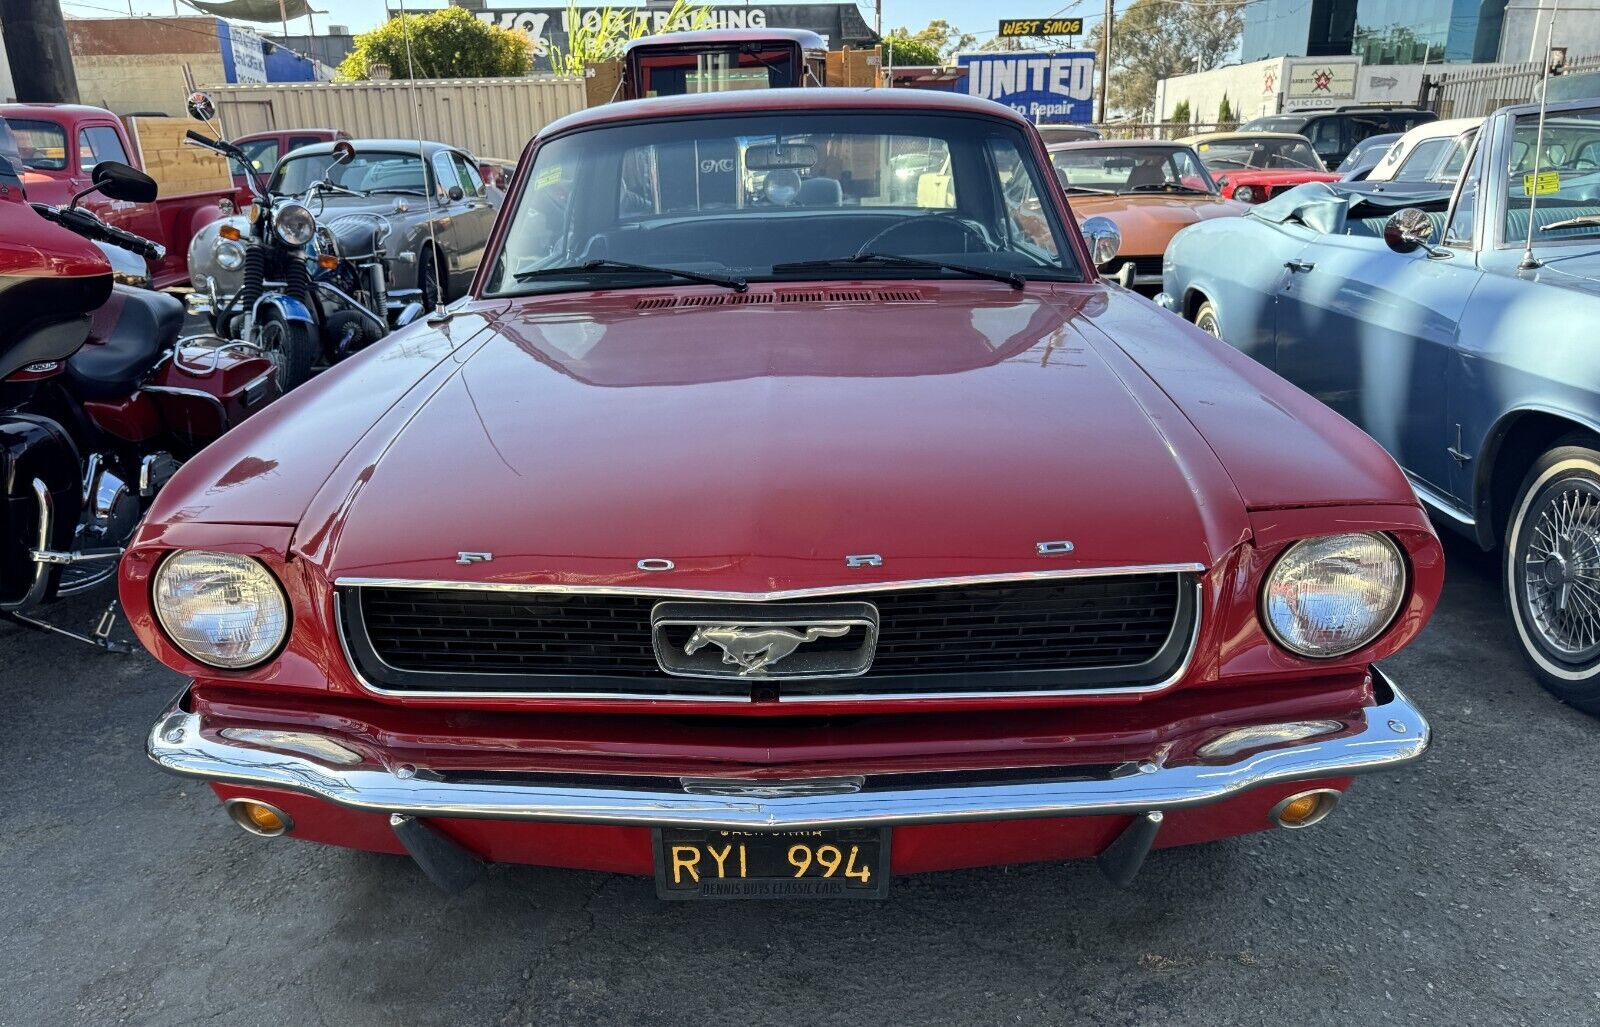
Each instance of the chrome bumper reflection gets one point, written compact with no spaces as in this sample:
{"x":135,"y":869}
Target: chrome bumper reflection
{"x":183,"y":743}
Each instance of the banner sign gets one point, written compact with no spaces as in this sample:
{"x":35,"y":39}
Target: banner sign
{"x":1016,"y":28}
{"x":1045,"y":88}
{"x":1320,"y":82}
{"x":246,"y":63}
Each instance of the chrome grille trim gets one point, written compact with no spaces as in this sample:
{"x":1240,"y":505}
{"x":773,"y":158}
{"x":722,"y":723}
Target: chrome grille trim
{"x":855,"y":588}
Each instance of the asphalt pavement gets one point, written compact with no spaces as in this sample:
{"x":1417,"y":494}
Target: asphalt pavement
{"x":1459,"y":890}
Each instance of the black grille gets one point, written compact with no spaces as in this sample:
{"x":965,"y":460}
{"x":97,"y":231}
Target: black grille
{"x":1143,"y":265}
{"x":1127,"y":629}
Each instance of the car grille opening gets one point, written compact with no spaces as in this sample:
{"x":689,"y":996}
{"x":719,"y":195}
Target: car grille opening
{"x":1108,"y":631}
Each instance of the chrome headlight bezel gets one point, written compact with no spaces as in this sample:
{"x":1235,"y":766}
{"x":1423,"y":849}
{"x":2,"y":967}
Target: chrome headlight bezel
{"x":228,"y":253}
{"x":242,"y":581}
{"x":1391,"y":581}
{"x":294,"y":223}
{"x":1245,"y":194}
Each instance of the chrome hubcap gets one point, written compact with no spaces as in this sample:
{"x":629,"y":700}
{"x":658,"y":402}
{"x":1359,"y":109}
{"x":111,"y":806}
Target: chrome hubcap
{"x":1561,"y":569}
{"x":1208,"y":324}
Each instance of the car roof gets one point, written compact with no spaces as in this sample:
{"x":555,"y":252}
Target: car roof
{"x":1113,"y":144}
{"x":756,"y":101}
{"x":1447,"y":129}
{"x":429,"y":147}
{"x":1211,"y":137}
{"x":726,"y":37}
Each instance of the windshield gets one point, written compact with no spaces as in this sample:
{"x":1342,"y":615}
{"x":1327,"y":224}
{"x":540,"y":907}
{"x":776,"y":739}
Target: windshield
{"x":1258,"y":153}
{"x":1131,"y":169}
{"x":716,"y":71}
{"x":42,"y":145}
{"x":753,"y":196}
{"x":1567,"y":184}
{"x":370,"y":172}
{"x":1274,"y":125}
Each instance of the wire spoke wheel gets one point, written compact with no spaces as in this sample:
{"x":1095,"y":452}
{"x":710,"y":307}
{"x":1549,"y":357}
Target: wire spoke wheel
{"x":1558,"y":569}
{"x":274,"y":347}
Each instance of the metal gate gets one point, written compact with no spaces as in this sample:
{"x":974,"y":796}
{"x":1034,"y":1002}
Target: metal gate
{"x":1478,"y":92}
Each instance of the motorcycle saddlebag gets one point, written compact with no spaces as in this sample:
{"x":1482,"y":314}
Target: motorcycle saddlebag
{"x":39,"y":471}
{"x":205,"y":392}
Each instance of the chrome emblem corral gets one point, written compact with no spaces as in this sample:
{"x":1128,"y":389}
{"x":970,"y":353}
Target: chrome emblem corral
{"x":864,"y":560}
{"x":1057,"y":548}
{"x":764,"y":641}
{"x":753,"y":650}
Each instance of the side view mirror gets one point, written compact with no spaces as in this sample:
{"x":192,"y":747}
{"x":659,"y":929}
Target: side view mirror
{"x":1407,"y":230}
{"x":118,"y":181}
{"x":201,"y":107}
{"x":456,"y":193}
{"x":343,"y":152}
{"x":1104,"y":239}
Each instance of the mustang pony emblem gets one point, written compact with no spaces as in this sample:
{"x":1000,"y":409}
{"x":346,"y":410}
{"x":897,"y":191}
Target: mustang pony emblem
{"x":754,"y":649}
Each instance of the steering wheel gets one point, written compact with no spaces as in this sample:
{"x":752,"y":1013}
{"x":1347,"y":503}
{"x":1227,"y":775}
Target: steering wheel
{"x":921,"y":219}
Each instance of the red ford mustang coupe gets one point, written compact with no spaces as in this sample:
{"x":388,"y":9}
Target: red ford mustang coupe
{"x":788,"y":506}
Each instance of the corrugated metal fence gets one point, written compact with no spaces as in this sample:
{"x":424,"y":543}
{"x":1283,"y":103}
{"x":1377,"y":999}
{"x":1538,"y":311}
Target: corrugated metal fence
{"x":1481,"y":91}
{"x":488,"y":117}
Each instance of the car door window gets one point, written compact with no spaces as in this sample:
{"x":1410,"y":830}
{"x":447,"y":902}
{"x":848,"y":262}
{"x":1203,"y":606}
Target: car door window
{"x":263,"y":154}
{"x":1419,"y":163}
{"x":295,"y":142}
{"x":444,"y":175}
{"x":97,"y":144}
{"x":1024,"y":217}
{"x":1327,"y":136}
{"x":1463,"y":218}
{"x":471,"y":182}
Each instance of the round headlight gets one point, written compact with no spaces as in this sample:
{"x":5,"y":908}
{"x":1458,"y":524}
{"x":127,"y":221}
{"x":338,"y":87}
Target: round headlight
{"x":1245,"y":194}
{"x":229,"y":254}
{"x":294,"y":224}
{"x":225,"y":610}
{"x":1332,"y":595}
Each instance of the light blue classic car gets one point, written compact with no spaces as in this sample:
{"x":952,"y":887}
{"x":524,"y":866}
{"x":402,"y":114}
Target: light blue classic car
{"x":1461,"y":329}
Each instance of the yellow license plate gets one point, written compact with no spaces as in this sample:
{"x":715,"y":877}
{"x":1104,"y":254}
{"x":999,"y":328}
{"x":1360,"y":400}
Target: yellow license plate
{"x":832,"y":863}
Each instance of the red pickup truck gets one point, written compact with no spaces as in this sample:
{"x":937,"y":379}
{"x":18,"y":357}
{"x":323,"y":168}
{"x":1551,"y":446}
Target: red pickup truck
{"x":59,"y":145}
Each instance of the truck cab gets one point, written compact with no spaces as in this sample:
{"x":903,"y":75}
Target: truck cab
{"x":722,"y":60}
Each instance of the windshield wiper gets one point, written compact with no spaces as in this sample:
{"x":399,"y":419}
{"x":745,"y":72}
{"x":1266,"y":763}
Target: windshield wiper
{"x":398,"y":189}
{"x":736,"y":284}
{"x":1011,"y":278}
{"x":1087,"y":189}
{"x":1577,"y":222}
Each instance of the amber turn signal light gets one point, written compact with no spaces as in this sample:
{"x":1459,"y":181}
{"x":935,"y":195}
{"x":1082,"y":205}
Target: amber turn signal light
{"x":327,"y":262}
{"x":229,"y":231}
{"x":1304,"y":808}
{"x":259,"y":818}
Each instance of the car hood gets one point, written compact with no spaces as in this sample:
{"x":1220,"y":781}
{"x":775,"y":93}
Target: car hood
{"x":1579,"y":271}
{"x":757,"y":443}
{"x":1148,"y":222}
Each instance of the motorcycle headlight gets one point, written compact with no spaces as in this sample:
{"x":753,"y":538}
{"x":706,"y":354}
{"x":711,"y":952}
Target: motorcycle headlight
{"x":224,"y":610}
{"x":294,"y":224}
{"x":1330,"y":596}
{"x":1245,"y":194}
{"x":228,"y":253}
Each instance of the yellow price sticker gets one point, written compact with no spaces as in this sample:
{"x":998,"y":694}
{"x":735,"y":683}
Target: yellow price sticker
{"x":1204,"y":147}
{"x":1549,"y":182}
{"x":547,"y":177}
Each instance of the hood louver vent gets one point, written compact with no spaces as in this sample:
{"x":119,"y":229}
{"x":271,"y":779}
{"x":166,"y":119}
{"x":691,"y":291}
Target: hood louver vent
{"x":740,"y":299}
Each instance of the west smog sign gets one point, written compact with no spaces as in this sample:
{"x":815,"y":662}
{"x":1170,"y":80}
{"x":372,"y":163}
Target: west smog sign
{"x":1017,"y":28}
{"x":1042,"y":87}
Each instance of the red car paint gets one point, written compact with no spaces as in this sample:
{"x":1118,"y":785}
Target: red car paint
{"x":170,"y":221}
{"x":756,"y":443}
{"x":283,"y":141}
{"x":1266,"y":184}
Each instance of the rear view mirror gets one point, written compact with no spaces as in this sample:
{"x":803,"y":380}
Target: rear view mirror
{"x":343,"y":152}
{"x":201,"y":107}
{"x":780,"y":157}
{"x":1407,"y":230}
{"x":118,"y":181}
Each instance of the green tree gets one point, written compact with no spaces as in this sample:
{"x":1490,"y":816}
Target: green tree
{"x":942,"y":36}
{"x":447,"y":43}
{"x":1155,"y":39}
{"x":603,"y":36}
{"x":1225,"y":113}
{"x":909,"y":51}
{"x":1180,"y":113}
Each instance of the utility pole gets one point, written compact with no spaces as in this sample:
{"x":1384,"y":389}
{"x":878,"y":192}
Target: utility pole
{"x":36,"y":43}
{"x":877,"y":17}
{"x":1105,"y":64}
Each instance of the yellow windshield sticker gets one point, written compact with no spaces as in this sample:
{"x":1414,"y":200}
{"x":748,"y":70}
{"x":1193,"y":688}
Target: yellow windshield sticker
{"x":547,"y":177}
{"x":1549,"y":182}
{"x":1204,"y":147}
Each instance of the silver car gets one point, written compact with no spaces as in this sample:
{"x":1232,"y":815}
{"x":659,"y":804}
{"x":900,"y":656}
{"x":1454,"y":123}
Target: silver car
{"x":424,"y":206}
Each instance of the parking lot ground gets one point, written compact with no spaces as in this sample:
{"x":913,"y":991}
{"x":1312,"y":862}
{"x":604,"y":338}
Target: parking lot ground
{"x":1460,"y":890}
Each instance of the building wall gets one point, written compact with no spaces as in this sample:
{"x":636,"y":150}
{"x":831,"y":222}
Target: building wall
{"x":1252,"y":90}
{"x":1523,"y":36}
{"x":8,"y":88}
{"x":130,"y":65}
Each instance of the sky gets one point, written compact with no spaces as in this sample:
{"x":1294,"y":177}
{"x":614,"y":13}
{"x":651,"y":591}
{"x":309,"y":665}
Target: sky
{"x":972,"y":16}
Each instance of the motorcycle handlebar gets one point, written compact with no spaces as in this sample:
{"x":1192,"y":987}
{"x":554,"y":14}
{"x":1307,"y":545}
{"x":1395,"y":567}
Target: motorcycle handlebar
{"x":90,"y":227}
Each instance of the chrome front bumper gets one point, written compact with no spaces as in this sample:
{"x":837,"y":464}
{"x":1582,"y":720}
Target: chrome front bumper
{"x":183,"y":743}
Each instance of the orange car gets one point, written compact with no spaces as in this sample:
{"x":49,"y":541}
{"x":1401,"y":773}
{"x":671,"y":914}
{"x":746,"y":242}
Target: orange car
{"x":1149,"y":188}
